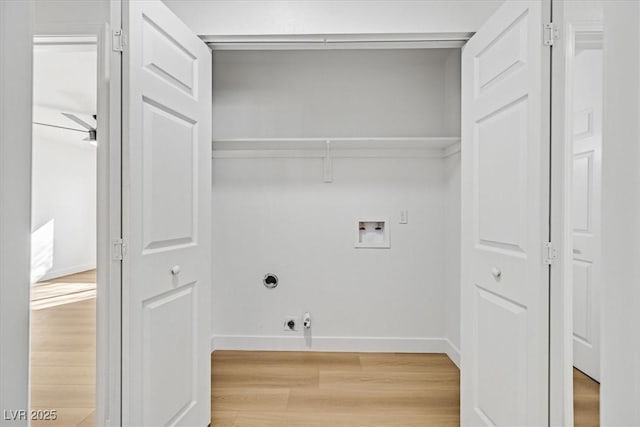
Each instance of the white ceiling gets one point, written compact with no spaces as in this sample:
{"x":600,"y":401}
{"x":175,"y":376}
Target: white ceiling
{"x":64,"y":80}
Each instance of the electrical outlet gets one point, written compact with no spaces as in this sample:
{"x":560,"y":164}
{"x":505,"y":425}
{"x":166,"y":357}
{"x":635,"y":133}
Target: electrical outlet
{"x":291,"y":323}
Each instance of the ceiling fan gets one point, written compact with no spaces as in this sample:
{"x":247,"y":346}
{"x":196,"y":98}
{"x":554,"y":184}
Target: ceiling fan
{"x":90,"y":128}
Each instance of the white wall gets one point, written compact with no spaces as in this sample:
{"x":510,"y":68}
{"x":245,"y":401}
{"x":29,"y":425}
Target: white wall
{"x":70,"y":17}
{"x":452,"y":248}
{"x":64,"y":190}
{"x":452,"y":202}
{"x":333,"y":93}
{"x":276,"y":215}
{"x":452,"y":90}
{"x":620,"y":387}
{"x":15,"y":156}
{"x":250,"y":17}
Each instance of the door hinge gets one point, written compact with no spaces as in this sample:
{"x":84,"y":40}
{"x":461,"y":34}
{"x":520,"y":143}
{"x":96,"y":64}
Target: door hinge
{"x":117,"y":41}
{"x":119,"y":250}
{"x":550,"y":33}
{"x":550,"y":253}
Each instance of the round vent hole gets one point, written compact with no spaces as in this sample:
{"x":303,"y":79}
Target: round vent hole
{"x":270,"y":280}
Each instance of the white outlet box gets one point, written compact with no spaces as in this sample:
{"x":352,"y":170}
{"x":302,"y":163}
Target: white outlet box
{"x":372,"y":232}
{"x":296,"y":321}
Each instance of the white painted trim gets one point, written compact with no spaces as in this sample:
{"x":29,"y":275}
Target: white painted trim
{"x":54,"y":274}
{"x":559,"y":349}
{"x":109,"y":291}
{"x":320,"y":154}
{"x":337,"y":41}
{"x":297,"y":343}
{"x":16,"y":86}
{"x":561,"y":287}
{"x":418,"y":44}
{"x":311,"y":148}
{"x":452,"y":150}
{"x":453,"y":352}
{"x":337,"y":344}
{"x":58,"y":41}
{"x":347,"y":142}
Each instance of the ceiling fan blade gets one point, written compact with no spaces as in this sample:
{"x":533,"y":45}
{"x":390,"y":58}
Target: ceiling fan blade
{"x":59,"y":127}
{"x":79,"y":121}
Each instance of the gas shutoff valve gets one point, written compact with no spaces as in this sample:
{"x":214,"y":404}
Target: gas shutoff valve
{"x":306,"y":321}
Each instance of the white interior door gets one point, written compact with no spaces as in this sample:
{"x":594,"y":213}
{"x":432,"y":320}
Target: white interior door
{"x":166,"y":220}
{"x":505,"y":219}
{"x":586,"y":208}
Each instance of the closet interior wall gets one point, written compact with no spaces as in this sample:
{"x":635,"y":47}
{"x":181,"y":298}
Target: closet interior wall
{"x":287,"y":202}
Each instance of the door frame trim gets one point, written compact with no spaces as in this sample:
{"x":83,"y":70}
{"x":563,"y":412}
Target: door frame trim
{"x":109,"y":344}
{"x":109,"y":217}
{"x":561,"y":292}
{"x":16,"y":87}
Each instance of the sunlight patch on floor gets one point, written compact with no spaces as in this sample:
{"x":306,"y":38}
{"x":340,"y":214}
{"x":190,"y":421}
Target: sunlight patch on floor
{"x":45,"y":295}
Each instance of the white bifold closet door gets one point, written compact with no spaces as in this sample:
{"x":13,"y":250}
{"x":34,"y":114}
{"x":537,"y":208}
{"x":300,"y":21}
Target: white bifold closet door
{"x":586,"y":256}
{"x":586,"y":211}
{"x":166,"y":220}
{"x":505,"y":219}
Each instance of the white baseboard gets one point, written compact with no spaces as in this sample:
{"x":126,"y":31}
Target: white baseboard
{"x":54,"y":274}
{"x":453,"y":352}
{"x":337,"y":344}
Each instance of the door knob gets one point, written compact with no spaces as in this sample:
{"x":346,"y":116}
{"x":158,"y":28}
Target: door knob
{"x":175,"y":269}
{"x":496,"y":273}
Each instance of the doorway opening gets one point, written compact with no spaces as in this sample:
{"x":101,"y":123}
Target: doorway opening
{"x":353,"y":175}
{"x":64,"y":232}
{"x":584,"y":117}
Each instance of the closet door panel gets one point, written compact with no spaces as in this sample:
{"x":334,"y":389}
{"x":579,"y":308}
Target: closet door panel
{"x":166,"y":220}
{"x":505,"y":214}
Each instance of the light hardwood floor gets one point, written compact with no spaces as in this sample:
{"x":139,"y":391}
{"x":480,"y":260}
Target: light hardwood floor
{"x":63,"y":349}
{"x":586,"y":400}
{"x":334,"y":389}
{"x":260,"y":388}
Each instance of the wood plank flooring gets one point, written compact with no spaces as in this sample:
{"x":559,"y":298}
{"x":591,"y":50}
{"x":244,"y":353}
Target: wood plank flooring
{"x":63,"y":349}
{"x":261,"y":388}
{"x":586,"y":400}
{"x":334,"y":389}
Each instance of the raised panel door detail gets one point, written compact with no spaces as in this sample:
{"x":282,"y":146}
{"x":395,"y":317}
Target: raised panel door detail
{"x":582,"y":278}
{"x":583,"y":123}
{"x":501,"y":385}
{"x":167,"y":59}
{"x":582,"y":188}
{"x":503,"y":56}
{"x":169,"y":341}
{"x":169,"y":178}
{"x":501,"y":182}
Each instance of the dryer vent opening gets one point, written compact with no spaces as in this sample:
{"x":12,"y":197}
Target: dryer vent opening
{"x":270,"y":280}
